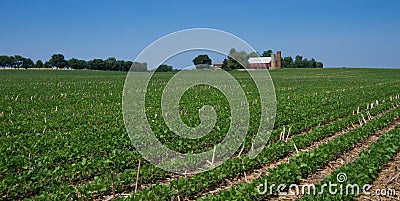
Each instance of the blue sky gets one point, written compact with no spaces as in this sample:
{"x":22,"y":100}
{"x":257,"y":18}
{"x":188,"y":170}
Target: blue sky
{"x":359,"y":33}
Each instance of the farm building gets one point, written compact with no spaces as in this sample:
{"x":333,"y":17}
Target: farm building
{"x":259,"y":62}
{"x":272,"y":62}
{"x":218,"y":65}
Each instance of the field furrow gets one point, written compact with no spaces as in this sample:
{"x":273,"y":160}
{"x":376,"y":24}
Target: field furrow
{"x":306,"y":163}
{"x":386,"y":186}
{"x":345,"y":158}
{"x":361,"y":173}
{"x":257,"y":173}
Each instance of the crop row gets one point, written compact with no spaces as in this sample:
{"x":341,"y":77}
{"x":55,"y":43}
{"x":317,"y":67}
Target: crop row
{"x":233,"y":167}
{"x":305,"y":163}
{"x":236,"y":166}
{"x":363,"y":170}
{"x":63,"y":135}
{"x":68,"y":168}
{"x":316,"y":109}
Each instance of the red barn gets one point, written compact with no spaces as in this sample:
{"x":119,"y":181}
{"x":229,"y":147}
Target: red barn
{"x":273,"y":62}
{"x":259,"y":63}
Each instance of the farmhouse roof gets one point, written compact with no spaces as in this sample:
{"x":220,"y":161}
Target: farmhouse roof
{"x":259,"y":60}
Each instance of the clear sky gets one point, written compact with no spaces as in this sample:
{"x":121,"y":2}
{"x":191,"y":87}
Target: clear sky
{"x":351,"y":33}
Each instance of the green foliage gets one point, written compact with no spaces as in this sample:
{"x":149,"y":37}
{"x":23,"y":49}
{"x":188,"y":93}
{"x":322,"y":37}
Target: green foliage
{"x":39,"y":64}
{"x":299,"y":62}
{"x":96,"y":64}
{"x":235,"y":60}
{"x":364,"y":169}
{"x":254,"y":54}
{"x":62,"y":133}
{"x":77,"y":64}
{"x":285,"y":173}
{"x":202,"y":59}
{"x":58,"y":61}
{"x":164,"y":68}
{"x":16,"y":61}
{"x":137,"y":67}
{"x":267,"y":53}
{"x":306,"y":163}
{"x":27,"y":63}
{"x":287,"y":62}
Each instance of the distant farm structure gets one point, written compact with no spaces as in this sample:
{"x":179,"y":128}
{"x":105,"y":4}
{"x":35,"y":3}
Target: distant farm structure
{"x":218,"y":65}
{"x":272,"y":62}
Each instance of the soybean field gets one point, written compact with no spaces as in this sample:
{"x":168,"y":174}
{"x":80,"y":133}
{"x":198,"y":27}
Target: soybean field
{"x":63,"y":137}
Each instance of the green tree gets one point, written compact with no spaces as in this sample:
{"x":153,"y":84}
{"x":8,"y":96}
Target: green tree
{"x":254,"y":54}
{"x":202,"y":59}
{"x":47,"y":64}
{"x":27,"y":63}
{"x":137,"y":67}
{"x":96,"y":64}
{"x":18,"y":61}
{"x":39,"y":64}
{"x":119,"y":65}
{"x":129,"y":64}
{"x":4,"y":60}
{"x":301,"y":62}
{"x":110,"y":63}
{"x":267,"y":53}
{"x":306,"y":63}
{"x":10,"y":62}
{"x":73,"y":63}
{"x":232,"y":51}
{"x":76,"y":63}
{"x":164,"y":68}
{"x":58,"y":61}
{"x":319,"y":65}
{"x":287,"y":62}
{"x":225,"y":65}
{"x":298,"y":62}
{"x":298,"y":58}
{"x":236,"y":60}
{"x":82,"y":64}
{"x":313,"y":63}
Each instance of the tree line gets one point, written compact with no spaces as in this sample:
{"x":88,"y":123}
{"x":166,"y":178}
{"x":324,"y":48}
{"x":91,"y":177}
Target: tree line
{"x":300,"y":62}
{"x":58,"y":61}
{"x":235,"y":60}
